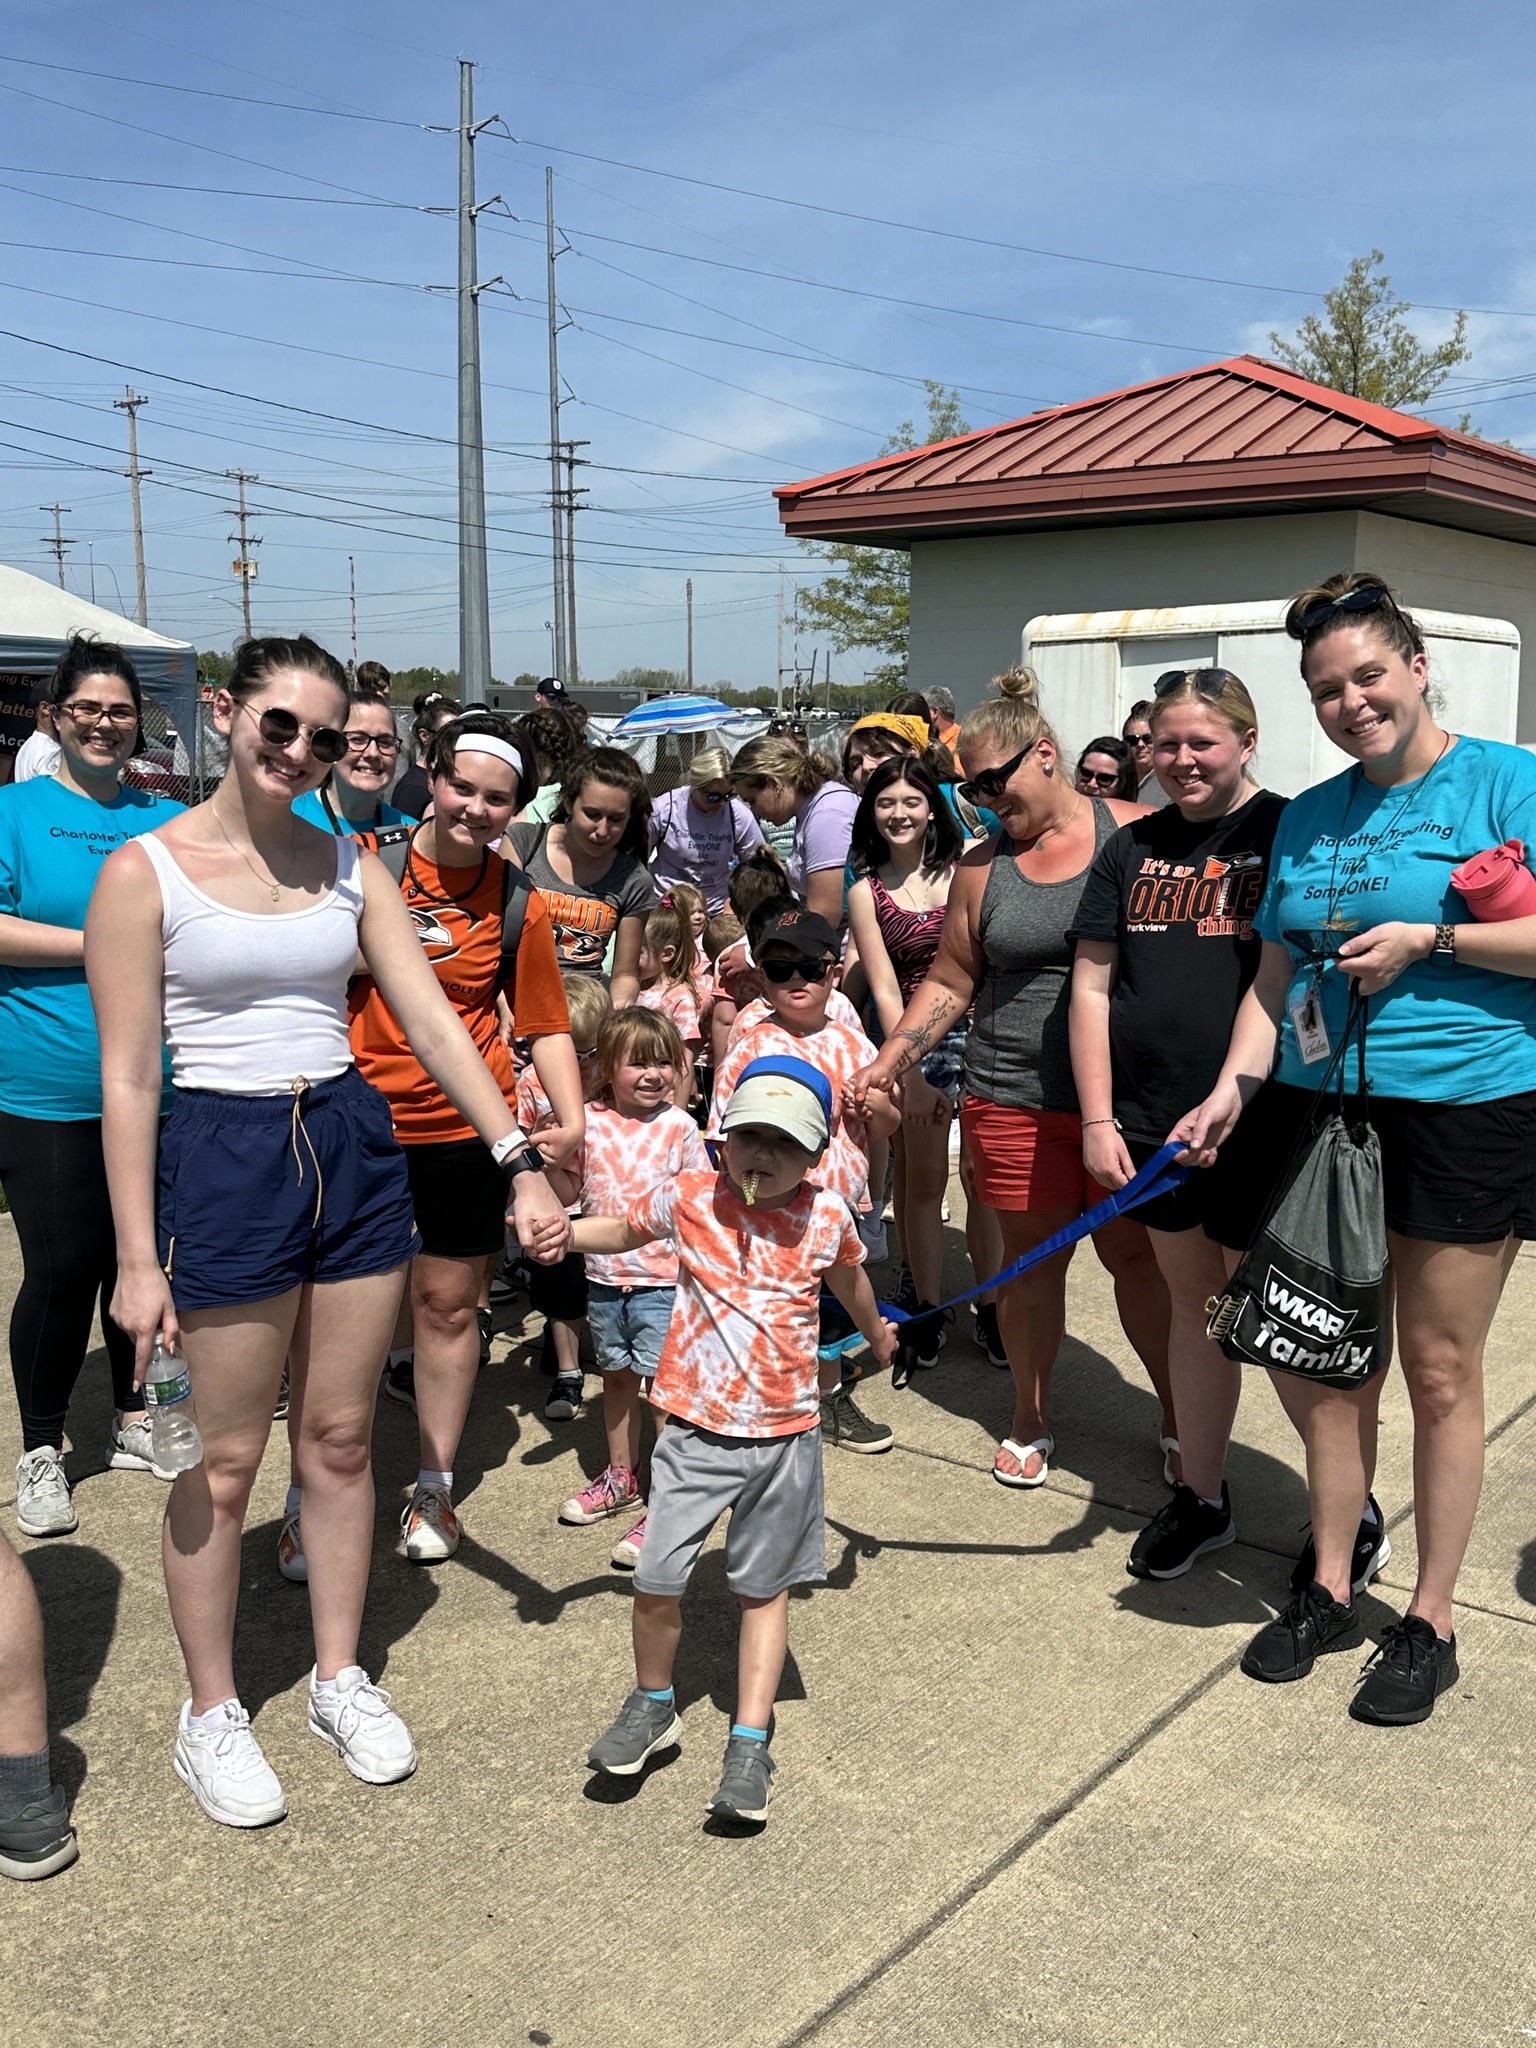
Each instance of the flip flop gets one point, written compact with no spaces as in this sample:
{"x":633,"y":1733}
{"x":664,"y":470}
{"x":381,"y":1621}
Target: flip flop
{"x":1044,"y":1445}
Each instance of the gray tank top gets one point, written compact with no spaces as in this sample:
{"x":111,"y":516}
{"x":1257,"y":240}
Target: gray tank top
{"x":1017,"y":1053}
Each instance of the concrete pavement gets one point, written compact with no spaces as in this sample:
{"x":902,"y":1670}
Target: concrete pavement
{"x":1022,"y":1797}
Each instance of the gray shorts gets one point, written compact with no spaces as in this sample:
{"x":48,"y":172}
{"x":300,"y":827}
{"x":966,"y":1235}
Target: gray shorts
{"x":772,"y":1487}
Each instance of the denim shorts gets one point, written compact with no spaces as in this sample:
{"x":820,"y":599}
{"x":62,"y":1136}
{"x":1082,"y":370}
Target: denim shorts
{"x":628,"y":1325}
{"x":258,"y":1194}
{"x":944,"y":1067}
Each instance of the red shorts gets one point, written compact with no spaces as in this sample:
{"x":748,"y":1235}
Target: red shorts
{"x":1028,"y":1158}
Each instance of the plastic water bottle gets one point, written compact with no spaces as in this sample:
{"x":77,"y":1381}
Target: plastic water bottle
{"x":178,"y":1446}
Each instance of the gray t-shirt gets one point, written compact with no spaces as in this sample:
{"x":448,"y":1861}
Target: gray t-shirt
{"x":586,"y":915}
{"x":1017,"y":1054}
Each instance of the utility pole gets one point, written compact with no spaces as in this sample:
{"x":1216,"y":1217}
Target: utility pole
{"x":571,"y":461}
{"x":58,"y":540}
{"x":550,"y":253}
{"x":352,"y":587}
{"x":778,"y":674}
{"x":474,"y":585}
{"x":245,"y":564}
{"x":130,"y":404}
{"x":690,"y":634}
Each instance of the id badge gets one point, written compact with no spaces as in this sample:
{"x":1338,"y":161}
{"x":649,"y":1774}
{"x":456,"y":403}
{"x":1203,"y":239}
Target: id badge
{"x":1306,"y":1008}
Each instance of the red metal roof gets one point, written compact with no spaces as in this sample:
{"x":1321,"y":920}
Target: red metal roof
{"x":1236,"y":436}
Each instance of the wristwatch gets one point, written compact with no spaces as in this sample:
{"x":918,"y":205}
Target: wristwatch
{"x":525,"y":1159}
{"x":1445,"y":941}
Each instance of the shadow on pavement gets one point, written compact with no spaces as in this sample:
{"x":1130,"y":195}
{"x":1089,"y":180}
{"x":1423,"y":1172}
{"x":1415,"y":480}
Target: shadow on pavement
{"x":78,"y":1588}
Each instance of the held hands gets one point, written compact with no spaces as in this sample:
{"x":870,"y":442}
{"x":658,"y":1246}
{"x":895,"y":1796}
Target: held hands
{"x":1376,"y":958}
{"x":880,"y":1076}
{"x":557,"y":1142}
{"x":542,"y":1226}
{"x":141,"y":1304}
{"x":1208,"y":1125}
{"x":1105,"y":1156}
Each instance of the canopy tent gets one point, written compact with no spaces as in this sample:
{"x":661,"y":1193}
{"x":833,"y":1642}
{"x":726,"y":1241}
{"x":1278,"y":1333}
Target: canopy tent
{"x":37,"y":618}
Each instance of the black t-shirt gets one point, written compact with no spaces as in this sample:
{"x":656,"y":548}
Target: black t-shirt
{"x":1179,"y":901}
{"x":412,"y":793}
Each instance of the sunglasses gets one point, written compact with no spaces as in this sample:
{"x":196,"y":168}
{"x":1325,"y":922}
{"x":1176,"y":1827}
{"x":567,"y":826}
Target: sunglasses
{"x":1100,"y":778}
{"x":360,"y":742}
{"x":713,"y":796}
{"x":1210,"y":682}
{"x":280,"y":729}
{"x":992,"y":782}
{"x":781,"y":972}
{"x":1369,"y":597}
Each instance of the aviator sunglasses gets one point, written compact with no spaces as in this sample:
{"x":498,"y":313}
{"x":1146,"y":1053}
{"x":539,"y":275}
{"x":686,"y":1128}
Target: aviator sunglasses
{"x":280,"y":729}
{"x":992,"y":782}
{"x":1210,"y":682}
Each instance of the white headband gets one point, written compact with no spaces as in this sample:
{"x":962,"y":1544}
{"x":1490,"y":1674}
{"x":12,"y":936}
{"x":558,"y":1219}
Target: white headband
{"x":488,"y":743}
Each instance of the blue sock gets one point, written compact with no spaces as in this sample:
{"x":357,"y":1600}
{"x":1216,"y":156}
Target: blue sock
{"x":752,"y":1734}
{"x":662,"y":1699}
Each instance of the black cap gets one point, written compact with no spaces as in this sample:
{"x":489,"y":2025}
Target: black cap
{"x":551,"y":687}
{"x":803,"y":932}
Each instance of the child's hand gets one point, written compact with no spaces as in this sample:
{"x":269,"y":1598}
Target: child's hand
{"x":883,"y":1345}
{"x":557,"y":1142}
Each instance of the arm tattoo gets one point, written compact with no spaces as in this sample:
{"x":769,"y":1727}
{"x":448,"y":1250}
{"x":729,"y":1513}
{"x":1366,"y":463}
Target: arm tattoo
{"x":920,"y":1037}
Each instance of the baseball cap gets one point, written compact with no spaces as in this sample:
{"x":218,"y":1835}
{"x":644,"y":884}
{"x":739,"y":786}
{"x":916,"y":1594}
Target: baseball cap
{"x":802,"y":931}
{"x":549,"y":686}
{"x":783,"y":1094}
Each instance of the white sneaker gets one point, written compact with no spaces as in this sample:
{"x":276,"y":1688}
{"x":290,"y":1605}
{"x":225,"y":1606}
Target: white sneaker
{"x":43,"y":1505}
{"x":131,"y":1448}
{"x":357,"y":1719}
{"x":429,"y":1526}
{"x":291,"y":1561}
{"x":225,"y":1770}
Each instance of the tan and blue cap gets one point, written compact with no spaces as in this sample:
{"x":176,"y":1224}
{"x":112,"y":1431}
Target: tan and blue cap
{"x":780,"y":1093}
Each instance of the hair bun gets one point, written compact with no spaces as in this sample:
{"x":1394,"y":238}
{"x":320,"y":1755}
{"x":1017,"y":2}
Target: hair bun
{"x":1020,"y":683}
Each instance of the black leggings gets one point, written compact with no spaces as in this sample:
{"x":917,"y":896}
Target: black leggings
{"x":56,"y":1183}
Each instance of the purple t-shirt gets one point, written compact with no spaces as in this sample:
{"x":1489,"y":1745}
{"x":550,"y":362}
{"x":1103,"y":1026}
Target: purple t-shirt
{"x":823,"y":832}
{"x":700,"y":847}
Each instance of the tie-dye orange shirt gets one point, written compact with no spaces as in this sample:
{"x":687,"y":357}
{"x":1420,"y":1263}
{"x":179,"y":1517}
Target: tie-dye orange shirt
{"x":622,"y":1158}
{"x":838,"y":1051}
{"x":740,"y":1353}
{"x":677,"y":1000}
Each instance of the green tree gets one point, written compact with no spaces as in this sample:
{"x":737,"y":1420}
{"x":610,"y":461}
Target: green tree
{"x":1365,"y":347}
{"x":865,"y":600}
{"x":214,"y":667}
{"x":657,"y":679}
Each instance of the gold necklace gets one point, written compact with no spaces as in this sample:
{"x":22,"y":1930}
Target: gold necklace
{"x":266,"y":881}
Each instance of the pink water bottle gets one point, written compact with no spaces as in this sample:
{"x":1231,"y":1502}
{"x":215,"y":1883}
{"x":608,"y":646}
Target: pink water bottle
{"x":1497,"y":884}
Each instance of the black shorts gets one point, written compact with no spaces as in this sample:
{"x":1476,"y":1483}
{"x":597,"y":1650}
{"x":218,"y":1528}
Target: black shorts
{"x":560,"y":1291}
{"x":1452,"y":1173}
{"x":461,"y":1198}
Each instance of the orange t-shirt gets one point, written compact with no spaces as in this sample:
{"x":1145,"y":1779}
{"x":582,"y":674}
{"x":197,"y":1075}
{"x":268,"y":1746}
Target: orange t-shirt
{"x":622,"y":1158}
{"x":674,"y":999}
{"x":739,"y":1355}
{"x":457,"y":913}
{"x":758,"y":1010}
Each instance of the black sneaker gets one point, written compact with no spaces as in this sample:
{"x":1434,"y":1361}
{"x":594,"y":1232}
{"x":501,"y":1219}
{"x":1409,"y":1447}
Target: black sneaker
{"x":400,"y":1382}
{"x":564,"y":1401}
{"x":906,"y":1290}
{"x":1309,"y":1628}
{"x":988,"y":1335}
{"x":1372,"y":1549}
{"x":487,"y":1331}
{"x":38,"y":1840}
{"x":847,"y":1426}
{"x":1179,"y":1533}
{"x":508,"y":1282}
{"x":1405,"y":1675}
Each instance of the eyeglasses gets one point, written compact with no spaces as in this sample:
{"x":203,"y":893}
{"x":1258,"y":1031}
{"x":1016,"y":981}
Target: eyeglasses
{"x":780,"y":972}
{"x":280,"y":729}
{"x":1369,"y":597}
{"x":992,"y":782}
{"x":86,"y":713}
{"x":1210,"y":682}
{"x":360,"y":742}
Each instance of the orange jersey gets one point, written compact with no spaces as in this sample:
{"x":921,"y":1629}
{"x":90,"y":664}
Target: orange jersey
{"x":740,"y":1351}
{"x":457,"y":913}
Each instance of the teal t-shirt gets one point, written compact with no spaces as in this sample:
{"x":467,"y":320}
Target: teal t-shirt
{"x":309,"y":806}
{"x":52,"y":844}
{"x":1348,"y":853}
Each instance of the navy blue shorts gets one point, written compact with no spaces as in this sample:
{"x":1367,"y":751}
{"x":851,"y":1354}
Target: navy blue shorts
{"x":253,"y":1200}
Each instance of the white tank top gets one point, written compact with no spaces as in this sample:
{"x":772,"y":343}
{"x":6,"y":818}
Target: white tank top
{"x":252,"y":1002}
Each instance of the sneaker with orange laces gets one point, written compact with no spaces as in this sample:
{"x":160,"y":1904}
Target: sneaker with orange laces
{"x":626,"y":1552}
{"x":429,"y":1526}
{"x":610,"y":1493}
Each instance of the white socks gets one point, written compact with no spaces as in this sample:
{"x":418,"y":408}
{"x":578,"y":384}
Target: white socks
{"x":442,"y":1479}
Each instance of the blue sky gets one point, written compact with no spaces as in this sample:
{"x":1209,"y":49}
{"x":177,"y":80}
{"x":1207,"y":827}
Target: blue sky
{"x":721,"y":341}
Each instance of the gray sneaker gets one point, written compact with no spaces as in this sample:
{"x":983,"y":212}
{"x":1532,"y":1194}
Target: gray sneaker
{"x":131,"y":1448}
{"x":746,"y":1781}
{"x":38,"y":1840}
{"x":43,"y":1505}
{"x":849,"y":1427}
{"x":644,"y":1726}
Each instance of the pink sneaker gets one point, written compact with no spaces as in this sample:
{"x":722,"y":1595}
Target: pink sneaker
{"x":626,"y":1552}
{"x":610,"y":1493}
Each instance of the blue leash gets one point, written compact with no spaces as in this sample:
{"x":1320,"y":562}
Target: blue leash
{"x":1158,"y":1177}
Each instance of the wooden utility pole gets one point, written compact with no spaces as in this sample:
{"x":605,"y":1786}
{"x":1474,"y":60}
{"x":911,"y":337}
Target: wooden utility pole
{"x":352,"y":587}
{"x":690,"y":633}
{"x":58,"y":540}
{"x":130,"y":404}
{"x":245,"y":565}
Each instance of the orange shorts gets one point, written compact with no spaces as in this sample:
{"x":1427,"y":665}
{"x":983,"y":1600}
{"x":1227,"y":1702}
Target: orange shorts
{"x":1028,"y":1158}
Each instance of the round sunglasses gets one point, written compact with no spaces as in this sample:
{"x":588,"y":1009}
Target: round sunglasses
{"x":280,"y":729}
